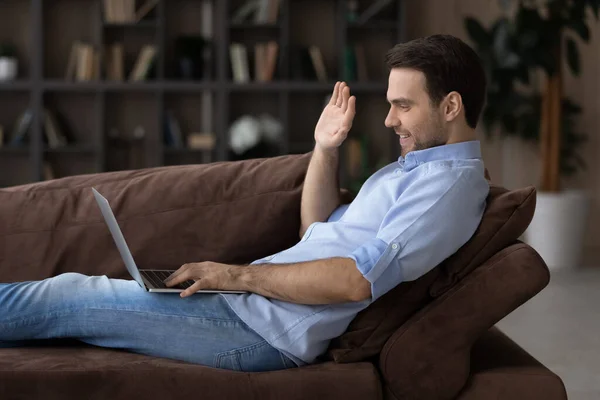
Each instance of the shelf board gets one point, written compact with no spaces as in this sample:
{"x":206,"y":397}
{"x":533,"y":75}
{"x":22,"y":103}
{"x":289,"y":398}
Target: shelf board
{"x":144,"y":24}
{"x":126,"y":86}
{"x":15,"y":85}
{"x":71,"y":149}
{"x":185,"y":150}
{"x":277,"y":86}
{"x":14,"y":150}
{"x":304,"y":86}
{"x":374,"y":25}
{"x":252,"y":25}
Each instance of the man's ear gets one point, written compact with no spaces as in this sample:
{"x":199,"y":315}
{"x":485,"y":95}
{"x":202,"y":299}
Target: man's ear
{"x":453,"y":106}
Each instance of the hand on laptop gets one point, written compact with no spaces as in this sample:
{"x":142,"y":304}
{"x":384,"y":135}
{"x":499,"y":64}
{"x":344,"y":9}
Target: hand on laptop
{"x":207,"y":274}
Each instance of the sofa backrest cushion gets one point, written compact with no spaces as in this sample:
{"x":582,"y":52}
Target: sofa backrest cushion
{"x":507,"y":215}
{"x":231,"y":212}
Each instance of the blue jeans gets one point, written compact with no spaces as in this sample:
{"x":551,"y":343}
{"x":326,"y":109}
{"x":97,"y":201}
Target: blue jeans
{"x":118,"y":313}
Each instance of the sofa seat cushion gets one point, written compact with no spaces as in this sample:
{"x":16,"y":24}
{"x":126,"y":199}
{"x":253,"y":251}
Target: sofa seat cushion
{"x":81,"y":371}
{"x":231,"y":212}
{"x":502,"y":369}
{"x":507,"y":215}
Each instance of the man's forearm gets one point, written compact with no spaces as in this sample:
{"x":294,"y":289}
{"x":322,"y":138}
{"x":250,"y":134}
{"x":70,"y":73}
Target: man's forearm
{"x":321,"y":190}
{"x":326,"y":281}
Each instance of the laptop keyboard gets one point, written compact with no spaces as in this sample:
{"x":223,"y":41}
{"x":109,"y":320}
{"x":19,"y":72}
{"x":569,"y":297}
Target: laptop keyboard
{"x":156,"y":277}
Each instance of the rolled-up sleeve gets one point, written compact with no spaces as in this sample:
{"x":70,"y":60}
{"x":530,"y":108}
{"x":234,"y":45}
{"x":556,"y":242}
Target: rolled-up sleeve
{"x":431,"y":219}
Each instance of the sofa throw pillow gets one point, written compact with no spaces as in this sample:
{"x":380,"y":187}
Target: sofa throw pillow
{"x":507,"y":215}
{"x":232,"y":212}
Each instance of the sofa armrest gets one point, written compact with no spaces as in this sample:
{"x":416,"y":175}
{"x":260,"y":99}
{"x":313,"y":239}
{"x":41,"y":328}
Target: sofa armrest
{"x":500,"y":368}
{"x":429,"y":356}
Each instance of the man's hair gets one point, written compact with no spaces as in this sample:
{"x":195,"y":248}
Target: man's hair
{"x":449,"y":64}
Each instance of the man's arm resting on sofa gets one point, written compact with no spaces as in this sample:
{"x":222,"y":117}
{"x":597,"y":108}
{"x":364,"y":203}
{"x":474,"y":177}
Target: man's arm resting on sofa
{"x":325,"y":281}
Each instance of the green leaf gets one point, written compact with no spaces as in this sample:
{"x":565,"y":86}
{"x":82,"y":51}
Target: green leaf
{"x":477,"y":33}
{"x":573,"y":57}
{"x":582,"y":29}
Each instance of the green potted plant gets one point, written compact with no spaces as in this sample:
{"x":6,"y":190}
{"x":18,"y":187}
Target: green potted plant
{"x":531,"y":40}
{"x":8,"y":62}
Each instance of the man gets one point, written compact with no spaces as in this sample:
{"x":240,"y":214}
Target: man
{"x":407,"y":218}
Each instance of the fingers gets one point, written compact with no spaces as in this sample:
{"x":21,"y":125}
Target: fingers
{"x":192,"y":289}
{"x":181,"y":275}
{"x":345,"y":98}
{"x":350,"y":112}
{"x":334,"y":96}
{"x":179,"y":271}
{"x":340,"y":97}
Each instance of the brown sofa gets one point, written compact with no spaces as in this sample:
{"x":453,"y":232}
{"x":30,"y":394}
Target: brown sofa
{"x":433,"y":338}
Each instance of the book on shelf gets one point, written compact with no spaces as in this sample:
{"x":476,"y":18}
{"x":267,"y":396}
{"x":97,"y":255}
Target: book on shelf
{"x":145,"y":9}
{"x":201,"y":141}
{"x":143,"y":63}
{"x":308,"y":64}
{"x":318,"y":63}
{"x":374,"y":9}
{"x":83,"y":63}
{"x":115,"y":70}
{"x":239,"y":62}
{"x":54,"y":132}
{"x":1,"y":136}
{"x":119,"y":11}
{"x":264,"y":59}
{"x":259,"y":11}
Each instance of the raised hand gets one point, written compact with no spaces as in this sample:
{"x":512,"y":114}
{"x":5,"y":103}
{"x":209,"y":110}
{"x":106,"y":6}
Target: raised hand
{"x":336,"y":120}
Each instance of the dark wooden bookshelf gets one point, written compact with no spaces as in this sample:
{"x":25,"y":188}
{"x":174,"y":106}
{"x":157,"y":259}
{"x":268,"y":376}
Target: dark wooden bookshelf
{"x":95,"y":109}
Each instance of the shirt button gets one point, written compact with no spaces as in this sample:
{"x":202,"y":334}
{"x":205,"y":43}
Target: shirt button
{"x":395,"y":246}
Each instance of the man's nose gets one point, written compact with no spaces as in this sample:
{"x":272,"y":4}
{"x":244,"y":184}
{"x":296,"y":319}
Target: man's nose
{"x":391,"y":121}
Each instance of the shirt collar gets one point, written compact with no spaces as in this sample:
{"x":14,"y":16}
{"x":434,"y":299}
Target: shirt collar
{"x":454,"y":151}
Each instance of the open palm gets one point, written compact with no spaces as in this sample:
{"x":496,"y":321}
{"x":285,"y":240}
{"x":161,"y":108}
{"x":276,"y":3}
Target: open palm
{"x":336,"y":120}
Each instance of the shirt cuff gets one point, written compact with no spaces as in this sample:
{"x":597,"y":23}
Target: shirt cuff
{"x":374,"y":259}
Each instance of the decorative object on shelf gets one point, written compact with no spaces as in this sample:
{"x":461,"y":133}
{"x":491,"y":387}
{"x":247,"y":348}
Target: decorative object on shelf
{"x":172,"y":131}
{"x":193,"y":58}
{"x":20,"y":130}
{"x":538,"y":38}
{"x":9,"y":65}
{"x":255,"y":137}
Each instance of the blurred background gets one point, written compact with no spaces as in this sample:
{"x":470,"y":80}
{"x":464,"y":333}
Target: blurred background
{"x":89,"y":86}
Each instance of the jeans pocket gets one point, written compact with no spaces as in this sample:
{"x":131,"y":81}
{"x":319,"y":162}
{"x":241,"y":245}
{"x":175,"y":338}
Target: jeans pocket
{"x":258,"y":357}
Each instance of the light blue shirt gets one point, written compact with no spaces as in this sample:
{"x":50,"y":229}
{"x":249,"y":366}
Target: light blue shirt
{"x":407,"y":218}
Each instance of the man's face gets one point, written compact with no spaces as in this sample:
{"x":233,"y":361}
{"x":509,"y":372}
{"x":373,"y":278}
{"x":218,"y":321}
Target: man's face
{"x":418,"y":124}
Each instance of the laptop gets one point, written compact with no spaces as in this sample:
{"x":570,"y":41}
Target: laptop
{"x":149,"y":279}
